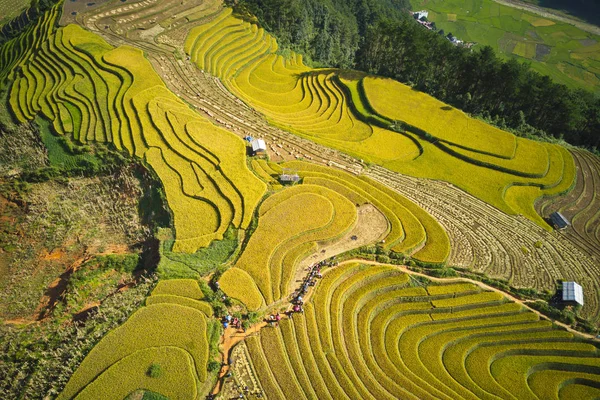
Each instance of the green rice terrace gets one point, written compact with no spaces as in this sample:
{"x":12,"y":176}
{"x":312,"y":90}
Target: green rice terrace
{"x":377,"y":244}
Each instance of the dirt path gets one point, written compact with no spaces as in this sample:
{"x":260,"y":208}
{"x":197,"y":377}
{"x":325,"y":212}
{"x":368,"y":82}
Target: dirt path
{"x":371,"y":226}
{"x":546,"y":13}
{"x":481,"y":285}
{"x":230,"y":338}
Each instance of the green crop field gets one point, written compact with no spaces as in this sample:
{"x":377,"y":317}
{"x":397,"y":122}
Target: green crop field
{"x":569,"y":55}
{"x":11,"y":9}
{"x":367,"y":334}
{"x":354,"y":113}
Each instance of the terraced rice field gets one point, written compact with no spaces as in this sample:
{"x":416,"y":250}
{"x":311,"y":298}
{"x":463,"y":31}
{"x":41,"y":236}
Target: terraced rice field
{"x":95,"y":92}
{"x":264,"y":272}
{"x":11,"y":9}
{"x":353,"y":113}
{"x":370,"y":333}
{"x":482,"y":237}
{"x":118,"y":365}
{"x":492,"y":242}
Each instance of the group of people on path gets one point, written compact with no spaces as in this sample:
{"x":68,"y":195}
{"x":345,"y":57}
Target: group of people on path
{"x":234,"y":322}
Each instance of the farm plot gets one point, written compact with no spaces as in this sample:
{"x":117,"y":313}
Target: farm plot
{"x":147,"y":339}
{"x":355,"y":113}
{"x":500,"y":245}
{"x":483,"y":238}
{"x":569,"y":57}
{"x":283,"y":228}
{"x":366,"y":333}
{"x":11,"y":9}
{"x":412,"y":230}
{"x":497,"y":160}
{"x":95,"y":92}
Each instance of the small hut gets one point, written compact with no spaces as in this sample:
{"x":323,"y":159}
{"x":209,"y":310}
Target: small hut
{"x":258,"y":147}
{"x":559,"y":221}
{"x":289,"y":176}
{"x":572,"y":293}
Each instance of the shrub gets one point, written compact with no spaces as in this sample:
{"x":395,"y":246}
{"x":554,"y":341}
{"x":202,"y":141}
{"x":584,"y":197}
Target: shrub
{"x":154,"y":371}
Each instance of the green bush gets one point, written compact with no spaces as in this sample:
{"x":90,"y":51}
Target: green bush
{"x":154,"y":371}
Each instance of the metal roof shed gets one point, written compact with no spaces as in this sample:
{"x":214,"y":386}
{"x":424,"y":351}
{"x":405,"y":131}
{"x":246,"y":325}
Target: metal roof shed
{"x":559,"y":220}
{"x":258,"y":145}
{"x":572,"y":292}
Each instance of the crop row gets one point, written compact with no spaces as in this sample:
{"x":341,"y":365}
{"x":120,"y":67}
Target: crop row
{"x":98,"y":93}
{"x":412,"y":230}
{"x":366,"y":334}
{"x":150,"y":327}
{"x":119,"y":363}
{"x":580,"y":206}
{"x":285,"y":236}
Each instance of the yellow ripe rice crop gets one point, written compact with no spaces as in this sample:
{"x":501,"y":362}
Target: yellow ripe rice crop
{"x":364,"y":116}
{"x":238,"y":284}
{"x":365,"y":334}
{"x":179,"y":287}
{"x":282,"y":222}
{"x":182,"y":301}
{"x":100,"y":93}
{"x":411,"y":226}
{"x":396,"y":101}
{"x":149,"y":327}
{"x":186,"y":210}
{"x":177,"y":379}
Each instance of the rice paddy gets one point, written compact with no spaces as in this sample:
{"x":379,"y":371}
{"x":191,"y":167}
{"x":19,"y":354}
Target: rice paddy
{"x":95,"y":92}
{"x":366,"y":331}
{"x":359,"y":114}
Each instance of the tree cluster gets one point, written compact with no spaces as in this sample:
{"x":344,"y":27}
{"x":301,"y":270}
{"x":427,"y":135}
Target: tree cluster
{"x":326,"y":32}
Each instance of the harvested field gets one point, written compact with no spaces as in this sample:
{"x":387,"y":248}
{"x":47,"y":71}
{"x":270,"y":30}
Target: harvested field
{"x":581,"y":206}
{"x":491,"y":242}
{"x":347,"y":111}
